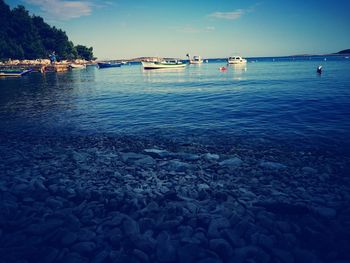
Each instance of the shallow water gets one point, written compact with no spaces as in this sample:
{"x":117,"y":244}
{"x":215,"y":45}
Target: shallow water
{"x":277,"y":99}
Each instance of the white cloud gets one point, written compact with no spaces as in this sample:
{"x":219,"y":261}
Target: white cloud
{"x":209,"y":28}
{"x":193,"y":30}
{"x":228,"y":15}
{"x":63,"y":10}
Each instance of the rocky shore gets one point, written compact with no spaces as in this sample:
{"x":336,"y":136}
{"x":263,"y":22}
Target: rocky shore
{"x":123,"y":199}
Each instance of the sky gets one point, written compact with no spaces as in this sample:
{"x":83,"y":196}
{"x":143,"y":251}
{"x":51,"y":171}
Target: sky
{"x":210,"y":28}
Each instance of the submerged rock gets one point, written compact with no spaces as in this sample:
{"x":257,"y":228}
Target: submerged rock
{"x":233,"y":162}
{"x":272,"y":165}
{"x":157,"y":153}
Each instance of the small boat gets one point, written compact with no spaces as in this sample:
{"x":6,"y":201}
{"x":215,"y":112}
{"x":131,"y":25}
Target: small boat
{"x":108,"y":64}
{"x":236,"y":60}
{"x":163,"y":64}
{"x":77,"y":66}
{"x":14,"y":72}
{"x":195,"y":60}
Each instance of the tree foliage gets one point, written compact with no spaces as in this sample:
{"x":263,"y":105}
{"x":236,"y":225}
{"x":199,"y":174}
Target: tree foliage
{"x":23,"y":36}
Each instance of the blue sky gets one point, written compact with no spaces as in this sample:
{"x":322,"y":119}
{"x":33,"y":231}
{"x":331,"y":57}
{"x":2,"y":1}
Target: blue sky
{"x":210,"y":28}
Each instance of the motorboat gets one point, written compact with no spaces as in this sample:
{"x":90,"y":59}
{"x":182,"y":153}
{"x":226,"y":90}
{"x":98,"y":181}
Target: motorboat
{"x":195,"y":60}
{"x":166,"y":64}
{"x":236,"y":60}
{"x":14,"y":72}
{"x":108,"y":64}
{"x":77,"y":66}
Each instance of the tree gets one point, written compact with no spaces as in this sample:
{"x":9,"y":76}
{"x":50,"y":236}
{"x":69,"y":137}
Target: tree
{"x":28,"y":37}
{"x":85,"y":52}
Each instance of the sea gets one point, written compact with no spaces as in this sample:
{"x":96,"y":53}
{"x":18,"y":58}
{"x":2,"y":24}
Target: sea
{"x":273,"y":101}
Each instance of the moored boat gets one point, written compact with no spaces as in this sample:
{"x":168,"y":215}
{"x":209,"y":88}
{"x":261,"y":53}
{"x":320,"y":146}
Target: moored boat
{"x":77,"y":66}
{"x":108,"y":64}
{"x":163,"y":64}
{"x":14,"y":72}
{"x":236,"y":60}
{"x":195,"y":60}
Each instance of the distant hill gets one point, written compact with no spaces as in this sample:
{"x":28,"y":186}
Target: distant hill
{"x":25,"y":36}
{"x":345,"y":51}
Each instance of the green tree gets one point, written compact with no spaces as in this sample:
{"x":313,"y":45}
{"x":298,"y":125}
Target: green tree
{"x":28,"y":37}
{"x":85,"y":52}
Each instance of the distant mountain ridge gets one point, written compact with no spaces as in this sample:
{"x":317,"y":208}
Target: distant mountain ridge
{"x":345,"y":51}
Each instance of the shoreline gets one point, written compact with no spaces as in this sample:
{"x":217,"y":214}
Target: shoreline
{"x":119,"y":199}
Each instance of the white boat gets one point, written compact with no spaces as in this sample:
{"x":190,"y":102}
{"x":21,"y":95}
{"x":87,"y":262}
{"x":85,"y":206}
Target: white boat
{"x":236,"y":60}
{"x":195,"y":60}
{"x":77,"y":66}
{"x":162,"y":64}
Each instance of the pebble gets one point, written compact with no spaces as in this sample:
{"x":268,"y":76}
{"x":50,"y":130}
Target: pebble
{"x":221,"y":247}
{"x":216,"y":225}
{"x":158,"y":153}
{"x":233,"y":162}
{"x":272,"y":165}
{"x":84,"y":247}
{"x":178,"y":166}
{"x":325,"y":212}
{"x":69,"y":238}
{"x":211,"y":157}
{"x":166,"y":251}
{"x":126,"y":201}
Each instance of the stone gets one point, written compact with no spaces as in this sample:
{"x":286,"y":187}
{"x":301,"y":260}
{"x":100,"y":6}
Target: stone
{"x":209,"y":260}
{"x":217,"y":224}
{"x":265,"y":241}
{"x":304,"y":256}
{"x":74,"y":258}
{"x":86,"y":235}
{"x":147,"y":162}
{"x":101,"y":257}
{"x":130,"y":157}
{"x":50,"y":255}
{"x":69,"y":238}
{"x":211,"y":157}
{"x":188,"y":156}
{"x":130,"y":227}
{"x":178,"y":166}
{"x":283,"y":255}
{"x":284,"y":208}
{"x":203,"y":187}
{"x":244,"y":254}
{"x":144,"y":243}
{"x":232,"y":162}
{"x":233,"y":238}
{"x":309,"y":170}
{"x":44,"y":227}
{"x":189,"y":253}
{"x":118,"y":257}
{"x":325,"y":212}
{"x":142,"y":256}
{"x":165,"y":251}
{"x":221,"y":247}
{"x":272,"y":165}
{"x":84,"y":247}
{"x":157,"y":153}
{"x":146,"y":224}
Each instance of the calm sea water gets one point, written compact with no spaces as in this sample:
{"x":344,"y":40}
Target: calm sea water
{"x":276,"y":99}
